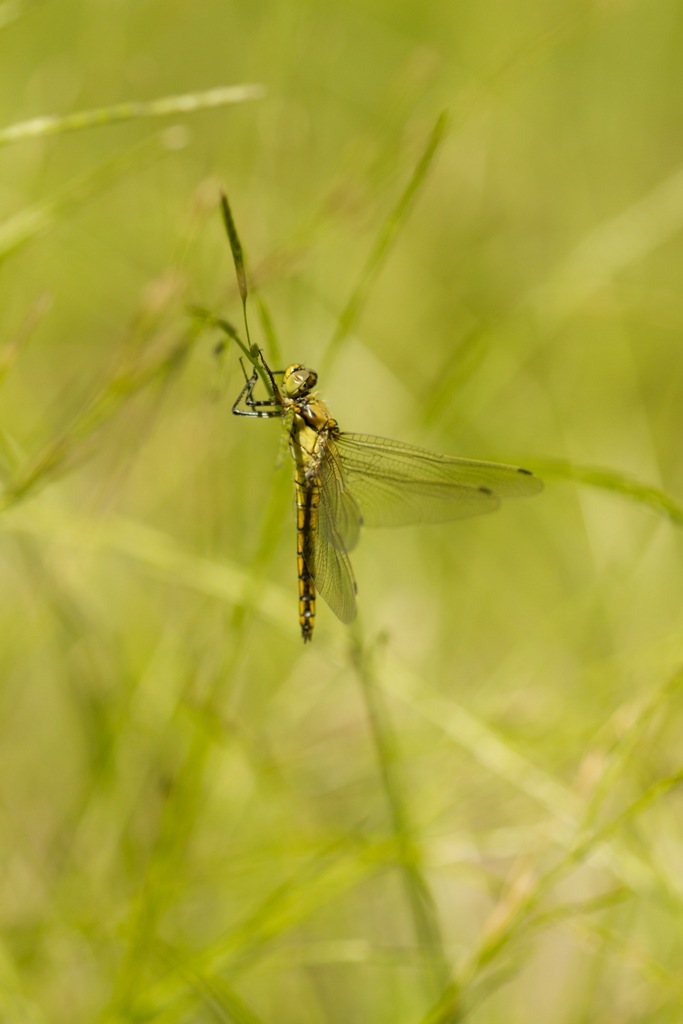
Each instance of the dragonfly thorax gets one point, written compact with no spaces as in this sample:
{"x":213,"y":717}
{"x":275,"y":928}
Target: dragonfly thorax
{"x":311,"y":413}
{"x":298,"y":380}
{"x":344,"y":481}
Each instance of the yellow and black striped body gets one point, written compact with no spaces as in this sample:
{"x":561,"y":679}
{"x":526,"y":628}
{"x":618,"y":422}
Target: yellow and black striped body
{"x":311,"y":426}
{"x":344,"y":481}
{"x":307,"y":497}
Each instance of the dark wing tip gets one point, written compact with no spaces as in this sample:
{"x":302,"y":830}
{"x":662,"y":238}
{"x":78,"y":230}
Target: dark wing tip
{"x":534,"y":482}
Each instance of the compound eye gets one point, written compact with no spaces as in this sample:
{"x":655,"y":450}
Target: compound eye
{"x":298,"y":379}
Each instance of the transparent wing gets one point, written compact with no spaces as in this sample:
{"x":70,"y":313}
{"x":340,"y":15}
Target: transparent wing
{"x":325,"y":551}
{"x":395,"y":484}
{"x":377,"y":482}
{"x":341,"y":515}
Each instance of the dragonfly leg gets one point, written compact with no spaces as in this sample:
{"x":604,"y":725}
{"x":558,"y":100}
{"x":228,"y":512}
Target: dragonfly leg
{"x":271,"y":374}
{"x":267,"y":409}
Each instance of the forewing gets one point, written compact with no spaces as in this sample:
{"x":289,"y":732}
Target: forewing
{"x":396,"y":484}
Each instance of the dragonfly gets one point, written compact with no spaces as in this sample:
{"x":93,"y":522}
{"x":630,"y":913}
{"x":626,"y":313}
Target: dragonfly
{"x":345,"y":481}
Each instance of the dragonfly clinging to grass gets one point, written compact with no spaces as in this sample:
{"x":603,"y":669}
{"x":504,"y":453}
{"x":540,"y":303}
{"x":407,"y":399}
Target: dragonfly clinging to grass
{"x":344,"y":481}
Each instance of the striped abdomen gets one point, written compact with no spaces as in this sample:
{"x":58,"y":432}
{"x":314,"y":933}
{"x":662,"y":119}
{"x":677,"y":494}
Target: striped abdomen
{"x":307,"y":500}
{"x":309,"y":427}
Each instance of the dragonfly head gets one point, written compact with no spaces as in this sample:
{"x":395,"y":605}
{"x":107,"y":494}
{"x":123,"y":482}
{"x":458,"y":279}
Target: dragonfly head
{"x":298,"y":380}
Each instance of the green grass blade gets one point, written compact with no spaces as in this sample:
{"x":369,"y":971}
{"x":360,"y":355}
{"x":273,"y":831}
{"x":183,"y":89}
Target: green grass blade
{"x":235,"y":247}
{"x":166,"y":106}
{"x":420,"y":900}
{"x":322,"y":878}
{"x":618,"y":483}
{"x":250,"y":350}
{"x":68,"y":447}
{"x":159,"y":555}
{"x":222,"y":1002}
{"x":16,"y":342}
{"x":382,"y":246}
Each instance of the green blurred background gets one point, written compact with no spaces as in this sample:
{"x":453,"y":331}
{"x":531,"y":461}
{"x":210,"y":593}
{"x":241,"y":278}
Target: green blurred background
{"x":467,"y":804}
